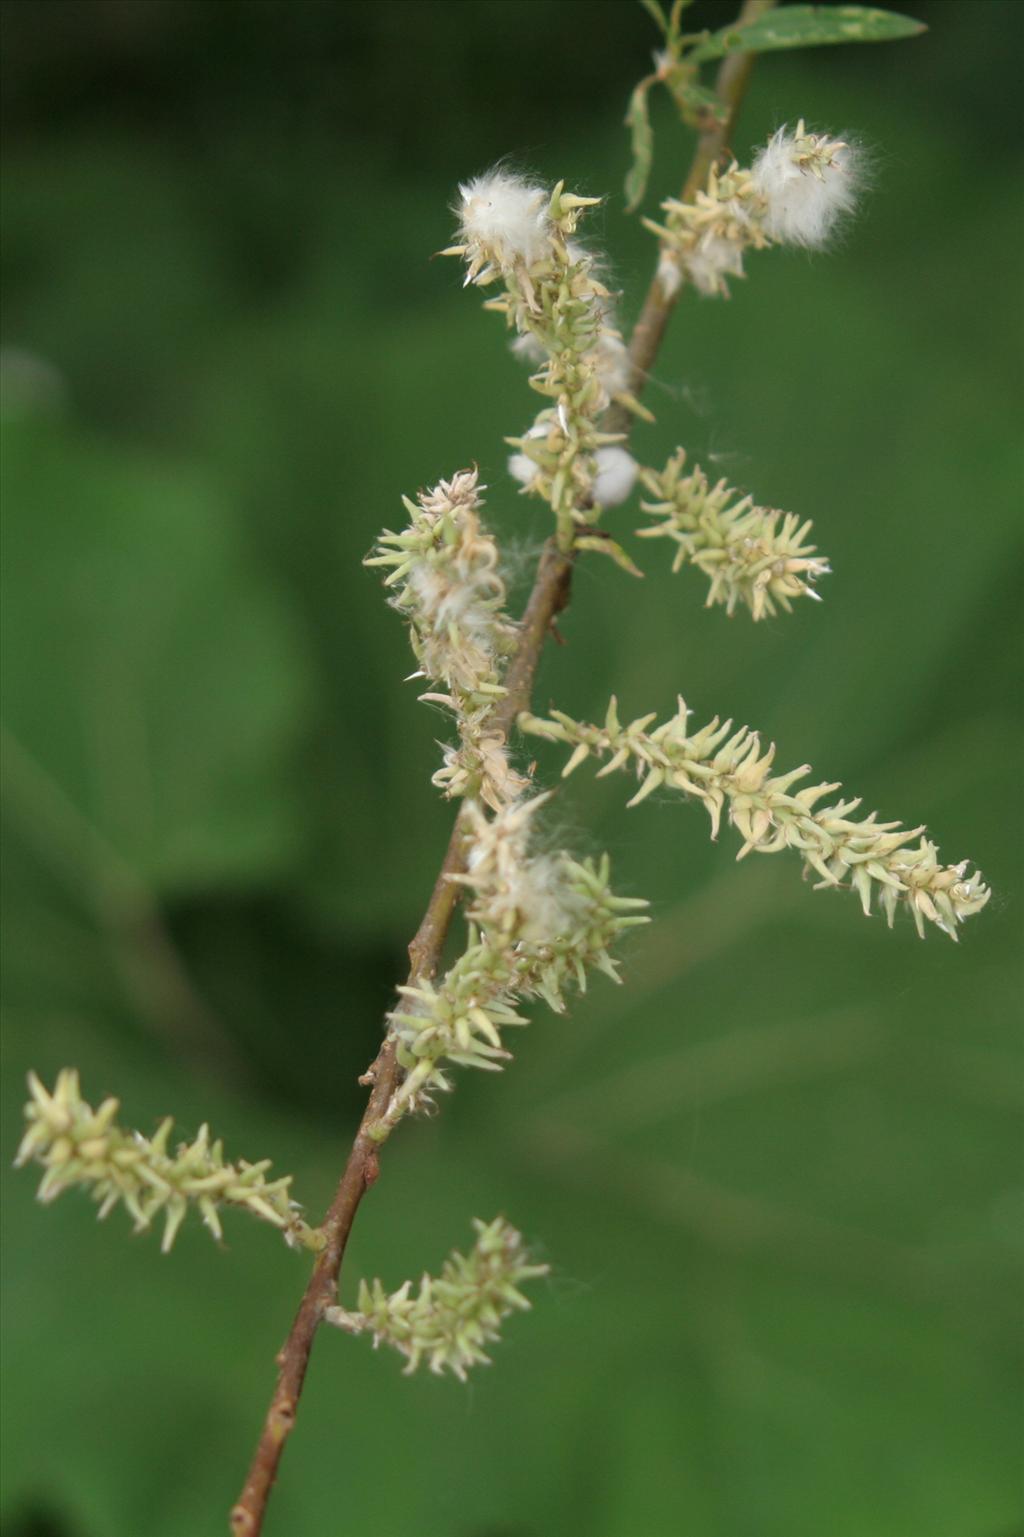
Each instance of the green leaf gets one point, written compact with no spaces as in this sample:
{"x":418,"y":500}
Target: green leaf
{"x":638,"y":121}
{"x":605,"y":546}
{"x":155,"y":686}
{"x":697,"y":105}
{"x":675,"y":19}
{"x":808,"y":26}
{"x":654,"y":9}
{"x":668,"y":24}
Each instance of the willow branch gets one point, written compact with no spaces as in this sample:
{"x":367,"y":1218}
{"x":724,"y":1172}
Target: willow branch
{"x":715,"y":139}
{"x":549,"y":596}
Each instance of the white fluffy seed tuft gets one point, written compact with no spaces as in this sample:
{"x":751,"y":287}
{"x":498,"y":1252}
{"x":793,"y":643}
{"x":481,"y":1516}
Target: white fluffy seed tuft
{"x":506,"y":215}
{"x":614,"y":365}
{"x":669,"y":275}
{"x":520,"y":466}
{"x":712,"y":260}
{"x":528,"y":349}
{"x":808,"y":182}
{"x":616,"y":475}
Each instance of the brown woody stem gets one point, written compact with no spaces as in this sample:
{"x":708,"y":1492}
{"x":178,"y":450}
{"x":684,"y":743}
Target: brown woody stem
{"x":549,"y":596}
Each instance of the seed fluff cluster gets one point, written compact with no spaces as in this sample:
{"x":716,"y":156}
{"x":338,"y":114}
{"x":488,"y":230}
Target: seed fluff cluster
{"x":754,"y":556}
{"x":81,"y":1146}
{"x":453,"y":1316}
{"x":445,"y":570}
{"x":798,"y":189}
{"x":727,"y":769}
{"x":538,"y":922}
{"x":522,"y":235}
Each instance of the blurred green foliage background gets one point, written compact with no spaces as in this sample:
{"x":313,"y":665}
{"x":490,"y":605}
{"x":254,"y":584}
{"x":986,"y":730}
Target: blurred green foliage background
{"x":777,"y":1175}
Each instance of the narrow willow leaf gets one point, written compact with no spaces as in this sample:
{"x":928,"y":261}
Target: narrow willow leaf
{"x":638,"y":121}
{"x":808,"y":26}
{"x":676,"y":16}
{"x":698,"y":106}
{"x":605,"y":546}
{"x":654,"y":9}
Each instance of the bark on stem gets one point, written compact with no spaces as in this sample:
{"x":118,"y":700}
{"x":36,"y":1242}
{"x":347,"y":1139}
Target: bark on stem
{"x":549,"y":596}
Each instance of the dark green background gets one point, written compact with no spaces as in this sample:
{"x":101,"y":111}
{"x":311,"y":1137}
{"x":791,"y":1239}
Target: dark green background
{"x":777,"y":1176}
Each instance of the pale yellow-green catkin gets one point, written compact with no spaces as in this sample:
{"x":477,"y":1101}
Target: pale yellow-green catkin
{"x":78,"y":1145}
